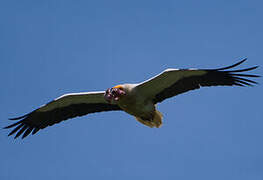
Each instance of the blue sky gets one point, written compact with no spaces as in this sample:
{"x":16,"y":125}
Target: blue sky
{"x":49,"y":48}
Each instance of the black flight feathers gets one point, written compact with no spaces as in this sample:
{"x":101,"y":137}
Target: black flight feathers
{"x":212,"y":77}
{"x":36,"y":120}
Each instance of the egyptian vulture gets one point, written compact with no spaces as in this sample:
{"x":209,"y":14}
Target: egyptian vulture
{"x":138,"y":100}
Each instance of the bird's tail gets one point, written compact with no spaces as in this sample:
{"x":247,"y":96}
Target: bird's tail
{"x":155,"y":122}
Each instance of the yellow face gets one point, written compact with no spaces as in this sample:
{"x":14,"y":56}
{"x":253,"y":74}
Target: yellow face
{"x":118,"y":87}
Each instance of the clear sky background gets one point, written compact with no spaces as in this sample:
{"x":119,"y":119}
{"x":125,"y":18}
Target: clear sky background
{"x":48,"y":48}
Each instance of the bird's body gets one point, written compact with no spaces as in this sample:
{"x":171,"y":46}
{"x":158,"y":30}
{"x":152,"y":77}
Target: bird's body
{"x":137,"y":104}
{"x":134,"y":103}
{"x":138,"y":100}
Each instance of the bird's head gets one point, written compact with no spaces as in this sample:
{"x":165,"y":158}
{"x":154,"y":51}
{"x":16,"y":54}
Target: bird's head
{"x":114,"y":93}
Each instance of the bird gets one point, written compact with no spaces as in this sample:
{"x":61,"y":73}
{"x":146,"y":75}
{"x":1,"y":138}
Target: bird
{"x":139,"y":100}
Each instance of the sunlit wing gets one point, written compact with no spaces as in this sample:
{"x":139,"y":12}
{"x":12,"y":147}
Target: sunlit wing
{"x":172,"y":82}
{"x":63,"y":108}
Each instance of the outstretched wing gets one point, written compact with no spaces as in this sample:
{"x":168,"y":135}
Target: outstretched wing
{"x":172,"y":82}
{"x":63,"y":108}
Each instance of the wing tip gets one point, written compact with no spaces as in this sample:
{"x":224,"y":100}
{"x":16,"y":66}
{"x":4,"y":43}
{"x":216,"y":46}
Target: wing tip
{"x":21,"y":128}
{"x":20,"y":117}
{"x":237,"y":78}
{"x":232,"y":66}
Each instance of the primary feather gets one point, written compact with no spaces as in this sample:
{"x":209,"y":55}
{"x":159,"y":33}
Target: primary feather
{"x":138,"y":100}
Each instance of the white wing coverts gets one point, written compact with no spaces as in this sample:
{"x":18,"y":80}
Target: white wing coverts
{"x":172,"y":82}
{"x":169,"y":83}
{"x":63,"y":108}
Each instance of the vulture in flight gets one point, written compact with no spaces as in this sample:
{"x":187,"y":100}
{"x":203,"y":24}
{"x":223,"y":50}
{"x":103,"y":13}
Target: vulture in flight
{"x":138,"y":100}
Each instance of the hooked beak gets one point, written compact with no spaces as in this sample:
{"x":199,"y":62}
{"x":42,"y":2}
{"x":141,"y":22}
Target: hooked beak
{"x":113,"y":94}
{"x":108,"y":96}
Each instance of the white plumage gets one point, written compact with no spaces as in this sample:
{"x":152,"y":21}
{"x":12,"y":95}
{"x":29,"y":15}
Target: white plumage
{"x":138,"y":100}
